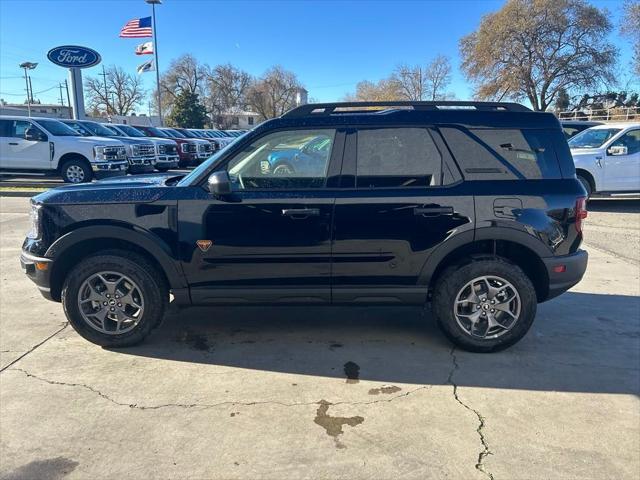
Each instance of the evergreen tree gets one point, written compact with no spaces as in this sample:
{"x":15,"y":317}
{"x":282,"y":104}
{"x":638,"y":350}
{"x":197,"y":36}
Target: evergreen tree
{"x":187,"y":111}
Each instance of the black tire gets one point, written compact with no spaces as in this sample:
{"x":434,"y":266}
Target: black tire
{"x":152,"y":285}
{"x":162,"y":169}
{"x":455,"y":278}
{"x":586,"y":184}
{"x":71,"y":170}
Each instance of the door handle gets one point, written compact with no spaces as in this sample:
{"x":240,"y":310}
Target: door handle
{"x":300,"y":213}
{"x":13,"y":143}
{"x":433,"y":211}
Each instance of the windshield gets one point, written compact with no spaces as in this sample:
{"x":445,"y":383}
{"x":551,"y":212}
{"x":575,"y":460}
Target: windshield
{"x":97,"y":129}
{"x":187,"y":133}
{"x":174,"y":133}
{"x":195,"y":173}
{"x":593,"y":137}
{"x":81,"y":129}
{"x":57,"y":128}
{"x":130,"y":131}
{"x":153,"y":131}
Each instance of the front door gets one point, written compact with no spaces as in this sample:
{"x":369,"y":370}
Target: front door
{"x":23,"y":154}
{"x":393,"y":215}
{"x":269,"y":240}
{"x":622,"y":172}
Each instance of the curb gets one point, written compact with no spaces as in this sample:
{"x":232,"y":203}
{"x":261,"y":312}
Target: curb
{"x":19,"y":193}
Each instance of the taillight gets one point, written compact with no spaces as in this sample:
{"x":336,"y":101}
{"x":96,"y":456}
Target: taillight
{"x":581,"y":212}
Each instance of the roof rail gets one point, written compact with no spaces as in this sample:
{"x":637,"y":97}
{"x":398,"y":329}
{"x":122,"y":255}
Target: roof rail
{"x":366,"y":107}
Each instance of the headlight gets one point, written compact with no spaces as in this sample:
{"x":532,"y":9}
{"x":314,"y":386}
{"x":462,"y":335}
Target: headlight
{"x":105,"y":153}
{"x":34,"y":217}
{"x":184,"y":147}
{"x":98,"y":153}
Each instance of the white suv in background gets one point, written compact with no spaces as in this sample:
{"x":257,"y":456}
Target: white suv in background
{"x":47,"y":146}
{"x":607,"y":158}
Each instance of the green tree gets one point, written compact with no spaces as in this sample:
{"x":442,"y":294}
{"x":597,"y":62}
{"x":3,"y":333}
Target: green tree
{"x":530,"y":49}
{"x":187,"y":111}
{"x":562,"y":101}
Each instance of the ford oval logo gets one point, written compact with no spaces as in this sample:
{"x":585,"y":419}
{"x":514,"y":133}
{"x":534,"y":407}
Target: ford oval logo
{"x":73,"y":56}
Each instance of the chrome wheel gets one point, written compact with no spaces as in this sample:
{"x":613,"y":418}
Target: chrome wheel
{"x":75,"y":173}
{"x":111,"y":303}
{"x":487,"y":307}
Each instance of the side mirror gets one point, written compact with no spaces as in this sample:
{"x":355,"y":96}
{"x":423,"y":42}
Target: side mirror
{"x":219,"y":183}
{"x":33,"y":135}
{"x":618,"y":150}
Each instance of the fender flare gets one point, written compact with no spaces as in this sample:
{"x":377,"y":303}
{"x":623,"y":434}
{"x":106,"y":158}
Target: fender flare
{"x":481,"y":234}
{"x":142,"y":238}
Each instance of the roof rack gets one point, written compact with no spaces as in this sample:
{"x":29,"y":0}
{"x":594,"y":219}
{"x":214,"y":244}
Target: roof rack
{"x":368,"y":107}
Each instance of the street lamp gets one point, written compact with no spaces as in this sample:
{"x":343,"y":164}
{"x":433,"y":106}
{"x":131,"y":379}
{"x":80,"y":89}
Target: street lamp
{"x":153,"y":4}
{"x":28,"y":66}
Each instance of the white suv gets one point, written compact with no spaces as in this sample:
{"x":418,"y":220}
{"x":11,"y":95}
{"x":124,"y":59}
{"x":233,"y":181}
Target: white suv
{"x":607,"y":158}
{"x":45,"y":145}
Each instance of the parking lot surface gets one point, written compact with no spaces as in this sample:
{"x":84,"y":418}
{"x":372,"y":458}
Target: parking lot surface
{"x":358,"y":393}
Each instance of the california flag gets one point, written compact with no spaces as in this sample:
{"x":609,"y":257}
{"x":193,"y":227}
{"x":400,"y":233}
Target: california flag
{"x":144,"y":48}
{"x":147,"y":66}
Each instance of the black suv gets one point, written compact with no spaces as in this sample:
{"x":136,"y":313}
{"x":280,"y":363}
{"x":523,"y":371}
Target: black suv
{"x":471,"y":206}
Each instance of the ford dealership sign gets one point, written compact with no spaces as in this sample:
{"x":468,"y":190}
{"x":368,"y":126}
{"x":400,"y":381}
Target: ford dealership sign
{"x":73,"y":56}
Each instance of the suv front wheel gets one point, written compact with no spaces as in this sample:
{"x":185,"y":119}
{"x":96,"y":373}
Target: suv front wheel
{"x":485,"y":305}
{"x":114,"y":299}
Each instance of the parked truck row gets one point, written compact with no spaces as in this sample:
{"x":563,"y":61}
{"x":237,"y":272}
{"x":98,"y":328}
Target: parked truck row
{"x":82,"y":150}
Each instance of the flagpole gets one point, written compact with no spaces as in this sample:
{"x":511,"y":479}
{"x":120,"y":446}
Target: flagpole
{"x":155,"y":53}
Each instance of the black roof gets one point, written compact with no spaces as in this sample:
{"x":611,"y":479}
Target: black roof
{"x":475,"y":114}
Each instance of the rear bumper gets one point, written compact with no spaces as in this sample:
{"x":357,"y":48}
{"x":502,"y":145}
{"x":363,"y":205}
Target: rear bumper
{"x":574,"y":267}
{"x":38,"y":269}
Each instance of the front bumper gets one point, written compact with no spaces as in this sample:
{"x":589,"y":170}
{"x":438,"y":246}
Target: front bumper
{"x":167,"y":161}
{"x":574,"y":267}
{"x":109,"y":169}
{"x":142,"y":164}
{"x":38,"y":269}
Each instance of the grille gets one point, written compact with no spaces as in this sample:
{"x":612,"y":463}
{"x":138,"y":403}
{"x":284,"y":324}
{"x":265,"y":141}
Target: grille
{"x":144,"y":150}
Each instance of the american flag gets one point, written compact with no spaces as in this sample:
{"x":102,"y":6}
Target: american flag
{"x":137,"y":28}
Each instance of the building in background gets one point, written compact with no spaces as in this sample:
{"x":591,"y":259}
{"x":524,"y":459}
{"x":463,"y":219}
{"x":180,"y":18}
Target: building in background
{"x":241,"y":120}
{"x":37,"y":110}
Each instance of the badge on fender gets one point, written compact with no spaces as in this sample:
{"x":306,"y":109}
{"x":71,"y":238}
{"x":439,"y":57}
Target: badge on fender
{"x":204,"y":245}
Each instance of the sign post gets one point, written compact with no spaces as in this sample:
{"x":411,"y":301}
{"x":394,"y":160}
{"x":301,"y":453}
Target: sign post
{"x":75,"y":58}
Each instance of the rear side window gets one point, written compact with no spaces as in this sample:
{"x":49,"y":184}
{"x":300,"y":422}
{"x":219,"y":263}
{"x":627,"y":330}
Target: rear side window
{"x":397,"y":157}
{"x":503,"y":154}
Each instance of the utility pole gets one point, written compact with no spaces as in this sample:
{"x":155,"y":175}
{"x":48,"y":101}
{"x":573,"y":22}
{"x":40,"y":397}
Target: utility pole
{"x":66,"y":86}
{"x":61,"y":99}
{"x":28,"y":66}
{"x":155,"y":52}
{"x":106,"y":91}
{"x":31,"y":88}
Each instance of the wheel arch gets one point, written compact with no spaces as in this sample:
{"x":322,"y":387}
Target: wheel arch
{"x":82,"y":242}
{"x":588,"y":176}
{"x":72,"y":156}
{"x":466,"y":250}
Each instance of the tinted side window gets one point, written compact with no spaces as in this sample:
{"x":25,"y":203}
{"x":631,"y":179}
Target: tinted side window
{"x":292,"y":159}
{"x":5,"y":128}
{"x":397,"y":157}
{"x":503,"y":154}
{"x":631,"y":140}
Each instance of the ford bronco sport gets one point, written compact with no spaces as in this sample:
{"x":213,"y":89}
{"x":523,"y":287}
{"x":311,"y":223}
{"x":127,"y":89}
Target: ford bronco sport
{"x":471,"y":206}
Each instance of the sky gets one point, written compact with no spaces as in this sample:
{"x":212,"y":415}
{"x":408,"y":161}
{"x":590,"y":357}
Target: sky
{"x":331,"y":45}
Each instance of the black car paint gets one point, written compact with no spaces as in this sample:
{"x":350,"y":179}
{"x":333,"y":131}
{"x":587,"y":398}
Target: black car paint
{"x":372,"y":246}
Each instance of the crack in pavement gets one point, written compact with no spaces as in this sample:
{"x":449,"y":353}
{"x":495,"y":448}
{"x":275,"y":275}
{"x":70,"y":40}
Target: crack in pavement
{"x":35,"y":347}
{"x":211,"y":405}
{"x":481,"y":421}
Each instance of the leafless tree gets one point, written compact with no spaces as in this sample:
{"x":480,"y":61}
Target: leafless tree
{"x":121,"y":94}
{"x":184,"y":74}
{"x":228,"y":87}
{"x":533,"y":49}
{"x":274,"y":93}
{"x":387,"y":89}
{"x":417,"y":83}
{"x":630,"y":27}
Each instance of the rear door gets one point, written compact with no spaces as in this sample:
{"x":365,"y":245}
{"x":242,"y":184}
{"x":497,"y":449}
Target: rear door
{"x":269,"y":241}
{"x":401,"y":200}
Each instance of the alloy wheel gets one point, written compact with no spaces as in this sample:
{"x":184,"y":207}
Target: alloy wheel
{"x":111,"y":303}
{"x":487,"y":307}
{"x":75,"y":174}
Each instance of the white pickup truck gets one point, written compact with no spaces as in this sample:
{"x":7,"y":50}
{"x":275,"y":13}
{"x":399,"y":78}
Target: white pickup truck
{"x":607,"y":158}
{"x":33,"y":145}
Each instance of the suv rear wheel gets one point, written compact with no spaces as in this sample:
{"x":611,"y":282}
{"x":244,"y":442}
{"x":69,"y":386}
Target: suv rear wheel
{"x":485,"y":305}
{"x":114,"y":299}
{"x":76,"y":171}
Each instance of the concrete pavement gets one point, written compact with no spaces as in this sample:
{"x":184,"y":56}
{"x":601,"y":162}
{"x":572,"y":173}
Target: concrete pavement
{"x":292,"y":392}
